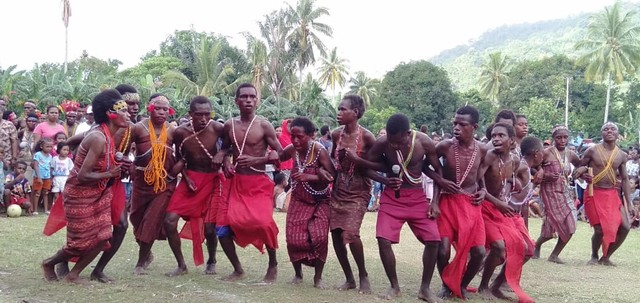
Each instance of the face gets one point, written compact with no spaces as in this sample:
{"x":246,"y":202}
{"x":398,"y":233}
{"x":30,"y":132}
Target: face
{"x":3,"y":105}
{"x":72,"y":117}
{"x":132,"y":107}
{"x":500,"y":139}
{"x":31,"y":123}
{"x":346,"y":115}
{"x":633,"y":154}
{"x":632,"y":183}
{"x":52,"y":114}
{"x":47,"y":147}
{"x":299,"y":138}
{"x":81,"y":111}
{"x":64,"y":151}
{"x":247,"y":99}
{"x":396,"y":141}
{"x":122,"y":120}
{"x":538,"y":157}
{"x":42,"y":119}
{"x":463,"y":127}
{"x":160,"y":111}
{"x":383,"y":132}
{"x":61,"y":138}
{"x":278,"y":131}
{"x":89,"y":117}
{"x":561,"y":138}
{"x":200,"y":116}
{"x":522,"y":127}
{"x":609,"y":133}
{"x":21,"y":169}
{"x":29,"y":108}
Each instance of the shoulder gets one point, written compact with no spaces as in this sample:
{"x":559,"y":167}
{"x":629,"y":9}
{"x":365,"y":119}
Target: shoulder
{"x":335,"y":134}
{"x":217,"y":126}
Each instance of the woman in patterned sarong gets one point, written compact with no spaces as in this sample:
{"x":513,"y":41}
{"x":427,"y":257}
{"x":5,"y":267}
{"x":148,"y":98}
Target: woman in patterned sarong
{"x":88,"y":193}
{"x":559,"y":210}
{"x":307,"y":227}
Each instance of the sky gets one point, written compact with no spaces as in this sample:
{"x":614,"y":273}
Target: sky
{"x":374,"y":36}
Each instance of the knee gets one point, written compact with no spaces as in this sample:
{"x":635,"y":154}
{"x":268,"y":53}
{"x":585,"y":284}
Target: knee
{"x":497,"y":247}
{"x":170,"y":221}
{"x":477,"y":252}
{"x":444,"y":251}
{"x":209,"y":232}
{"x":597,"y":231}
{"x":384,"y":243}
{"x":26,"y":205}
{"x":120,"y":229}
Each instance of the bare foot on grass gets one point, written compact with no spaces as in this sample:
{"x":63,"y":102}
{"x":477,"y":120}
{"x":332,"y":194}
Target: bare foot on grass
{"x":593,"y":261}
{"x":555,"y":259}
{"x":148,"y":262}
{"x":49,"y":272}
{"x":390,"y":294}
{"x":365,"y":287}
{"x":271,"y":275}
{"x":234,"y":276}
{"x":140,"y":271}
{"x":317,"y":283}
{"x":496,"y":292}
{"x":486,"y":294}
{"x":101,"y":277}
{"x":606,"y":262}
{"x":76,"y":280}
{"x":177,"y":272}
{"x":62,"y":269}
{"x":211,"y":269}
{"x":425,"y":294}
{"x":536,"y":253}
{"x":347,"y":285}
{"x":445,"y":292}
{"x":296,"y":280}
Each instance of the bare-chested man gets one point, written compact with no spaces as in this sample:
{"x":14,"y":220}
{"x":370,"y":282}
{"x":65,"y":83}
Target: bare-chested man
{"x":607,"y":214}
{"x":559,"y":208}
{"x":462,"y":190}
{"x":404,"y":200}
{"x":351,"y":191}
{"x":501,"y":222}
{"x":193,"y":199}
{"x":153,"y":180}
{"x":246,"y":216}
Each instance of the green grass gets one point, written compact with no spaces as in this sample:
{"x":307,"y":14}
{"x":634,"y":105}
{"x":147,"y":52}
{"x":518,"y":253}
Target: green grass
{"x":23,"y":247}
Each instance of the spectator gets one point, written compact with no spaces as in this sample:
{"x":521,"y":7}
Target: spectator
{"x":61,"y":166}
{"x":633,"y":164}
{"x":17,"y":189}
{"x":325,"y":138}
{"x":86,"y":125}
{"x":50,"y":127}
{"x":280,"y":195}
{"x":42,"y":180}
{"x":8,"y":142}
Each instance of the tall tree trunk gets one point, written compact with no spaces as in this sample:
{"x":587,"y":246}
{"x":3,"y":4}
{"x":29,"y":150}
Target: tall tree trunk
{"x":606,"y":106}
{"x":66,"y":47}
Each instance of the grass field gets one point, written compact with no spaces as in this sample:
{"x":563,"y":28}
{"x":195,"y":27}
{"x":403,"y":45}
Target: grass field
{"x":23,"y":247}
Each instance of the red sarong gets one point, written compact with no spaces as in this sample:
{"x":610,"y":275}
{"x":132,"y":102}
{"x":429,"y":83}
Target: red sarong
{"x":249,"y":211}
{"x":499,"y":227}
{"x":192,"y":206}
{"x":413,"y":208}
{"x":118,"y":202}
{"x":307,"y":229}
{"x":220,"y":192}
{"x":604,"y":208}
{"x":461,"y":222}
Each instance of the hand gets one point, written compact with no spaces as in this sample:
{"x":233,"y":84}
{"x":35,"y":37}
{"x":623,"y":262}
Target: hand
{"x":539,"y":176}
{"x":551,"y":177}
{"x":579,"y":172}
{"x":434,"y":211}
{"x":273,"y":158}
{"x":325,"y":175}
{"x":126,"y":165}
{"x":505,"y":209}
{"x":394,"y":183}
{"x":351,"y":155}
{"x":633,"y":212}
{"x":219,"y":157}
{"x":228,"y":168}
{"x":192,"y":185}
{"x":448,"y":186}
{"x":19,"y":178}
{"x":299,"y":177}
{"x":246,"y":161}
{"x":478,"y":197}
{"x":114,"y":172}
{"x":588,"y":178}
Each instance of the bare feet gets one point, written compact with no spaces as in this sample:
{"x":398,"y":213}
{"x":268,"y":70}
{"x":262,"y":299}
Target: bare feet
{"x":593,"y":261}
{"x":536,"y":253}
{"x":555,"y":259}
{"x":211,"y":269}
{"x":445,"y":292}
{"x":101,"y":277}
{"x":139,"y":271}
{"x":271,"y":275}
{"x":606,"y":262}
{"x":425,"y":294}
{"x":49,"y":272}
{"x":486,"y":294}
{"x":317,"y":283}
{"x":147,"y":262}
{"x":296,"y":280}
{"x":365,"y":287}
{"x":234,"y":276}
{"x":62,"y":269}
{"x":177,"y":272}
{"x":496,"y":292}
{"x":76,"y":280}
{"x":348,"y":285}
{"x":390,"y":294}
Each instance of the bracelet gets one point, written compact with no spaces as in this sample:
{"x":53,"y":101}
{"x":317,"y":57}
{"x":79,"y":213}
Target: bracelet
{"x":170,"y":178}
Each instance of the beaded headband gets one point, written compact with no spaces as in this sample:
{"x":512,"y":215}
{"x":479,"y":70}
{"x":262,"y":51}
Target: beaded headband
{"x":120,"y":105}
{"x":609,"y":124}
{"x":158,"y":99}
{"x":131,"y":96}
{"x":557,"y":128}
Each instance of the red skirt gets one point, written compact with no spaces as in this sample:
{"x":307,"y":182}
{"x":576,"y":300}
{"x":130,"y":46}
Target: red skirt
{"x":604,"y":208}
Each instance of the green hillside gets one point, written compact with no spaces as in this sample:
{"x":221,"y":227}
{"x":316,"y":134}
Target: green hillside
{"x":528,"y":41}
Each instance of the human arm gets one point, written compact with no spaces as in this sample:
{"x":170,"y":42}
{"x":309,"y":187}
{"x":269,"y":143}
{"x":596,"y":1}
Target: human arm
{"x":285,"y":153}
{"x":271,"y":157}
{"x":95,"y":145}
{"x":580,"y":172}
{"x":37,"y":134}
{"x":622,"y":170}
{"x":35,"y":165}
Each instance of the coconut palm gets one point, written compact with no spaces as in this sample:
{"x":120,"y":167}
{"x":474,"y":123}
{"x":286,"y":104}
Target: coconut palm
{"x":281,"y":62}
{"x":333,"y":71}
{"x":493,"y":77}
{"x":212,"y":72}
{"x":612,"y":48}
{"x":257,"y":55}
{"x":364,"y":87}
{"x":304,"y":40}
{"x":66,"y":14}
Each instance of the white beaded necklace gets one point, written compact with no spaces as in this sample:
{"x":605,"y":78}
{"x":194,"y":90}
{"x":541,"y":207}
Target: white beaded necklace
{"x":244,"y":140}
{"x":301,"y":167}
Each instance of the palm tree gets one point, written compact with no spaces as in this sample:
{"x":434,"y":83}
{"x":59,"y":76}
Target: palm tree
{"x":333,"y":71}
{"x":66,"y":13}
{"x":364,"y":87}
{"x":257,"y":55}
{"x":212,"y":72}
{"x":493,"y":77}
{"x":281,"y":60}
{"x":612,"y":48}
{"x":304,"y":40}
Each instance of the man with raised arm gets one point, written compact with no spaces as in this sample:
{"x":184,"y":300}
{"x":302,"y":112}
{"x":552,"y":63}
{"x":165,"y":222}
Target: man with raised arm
{"x":246,"y":215}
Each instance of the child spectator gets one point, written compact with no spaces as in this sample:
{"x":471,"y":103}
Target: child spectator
{"x":2,"y":166}
{"x":17,"y":189}
{"x":61,"y":165}
{"x":280,"y":195}
{"x":635,"y":222}
{"x":42,"y":179}
{"x":59,"y":137}
{"x":633,"y":188}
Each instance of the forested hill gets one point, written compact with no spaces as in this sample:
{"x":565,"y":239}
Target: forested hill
{"x":529,"y":41}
